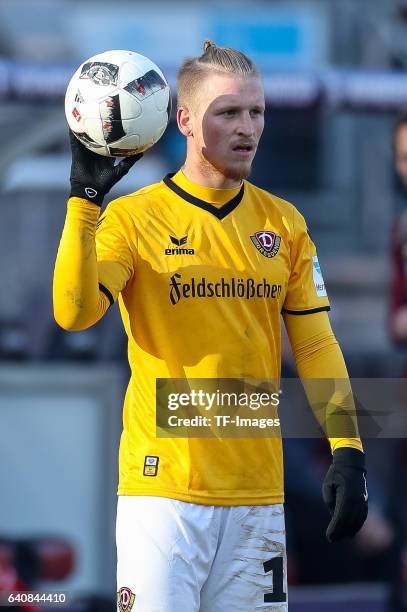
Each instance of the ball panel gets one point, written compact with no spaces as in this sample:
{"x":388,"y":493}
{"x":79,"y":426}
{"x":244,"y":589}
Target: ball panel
{"x":88,"y":141}
{"x":146,"y":85}
{"x":127,"y":146}
{"x":161,"y":99}
{"x":169,"y":107}
{"x":160,"y":132}
{"x":111,"y":118}
{"x":93,"y":127}
{"x":130,"y":107}
{"x":114,"y":152}
{"x":131,"y":69}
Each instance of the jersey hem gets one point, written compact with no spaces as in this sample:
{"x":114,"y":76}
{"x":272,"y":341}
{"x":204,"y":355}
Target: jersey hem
{"x":206,"y":500}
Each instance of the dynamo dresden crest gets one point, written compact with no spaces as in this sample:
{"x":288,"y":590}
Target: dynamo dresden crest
{"x":267,"y":243}
{"x":125,"y":599}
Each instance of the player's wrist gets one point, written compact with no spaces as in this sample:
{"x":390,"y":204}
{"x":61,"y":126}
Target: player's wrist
{"x":83,"y":208}
{"x":350,"y":457}
{"x":86,"y":192}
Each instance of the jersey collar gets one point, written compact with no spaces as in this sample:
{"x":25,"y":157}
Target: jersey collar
{"x":218,"y":211}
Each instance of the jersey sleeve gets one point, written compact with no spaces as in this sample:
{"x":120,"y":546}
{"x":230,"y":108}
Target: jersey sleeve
{"x":306,"y":292}
{"x":116,"y":250}
{"x":322,"y":369}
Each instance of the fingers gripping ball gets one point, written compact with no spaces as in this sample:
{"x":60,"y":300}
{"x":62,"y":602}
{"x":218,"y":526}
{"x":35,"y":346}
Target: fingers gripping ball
{"x":92,"y":176}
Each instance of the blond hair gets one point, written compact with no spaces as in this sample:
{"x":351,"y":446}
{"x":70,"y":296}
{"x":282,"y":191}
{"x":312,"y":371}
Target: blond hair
{"x":214,"y":59}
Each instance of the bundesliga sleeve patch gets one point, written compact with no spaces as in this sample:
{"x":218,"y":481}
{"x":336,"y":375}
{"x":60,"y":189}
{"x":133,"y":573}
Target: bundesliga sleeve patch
{"x":317,"y":276}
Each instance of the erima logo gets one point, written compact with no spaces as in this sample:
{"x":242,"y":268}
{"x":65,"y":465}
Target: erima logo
{"x":90,"y":192}
{"x":179,"y":250}
{"x":179,"y":242}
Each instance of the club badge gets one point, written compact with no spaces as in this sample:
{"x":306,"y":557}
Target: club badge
{"x":125,"y":599}
{"x":267,"y":243}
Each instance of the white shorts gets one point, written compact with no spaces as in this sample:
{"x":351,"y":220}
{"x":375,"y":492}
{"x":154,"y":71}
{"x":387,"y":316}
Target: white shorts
{"x":174,"y":556}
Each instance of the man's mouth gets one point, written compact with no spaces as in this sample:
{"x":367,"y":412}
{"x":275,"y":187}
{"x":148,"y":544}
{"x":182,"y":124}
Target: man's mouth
{"x":243,"y":148}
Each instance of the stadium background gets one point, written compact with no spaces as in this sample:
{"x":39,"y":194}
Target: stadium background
{"x":335,"y":78}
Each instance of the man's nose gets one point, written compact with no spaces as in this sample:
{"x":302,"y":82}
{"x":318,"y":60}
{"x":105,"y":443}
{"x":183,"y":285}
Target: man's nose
{"x":246,"y":127}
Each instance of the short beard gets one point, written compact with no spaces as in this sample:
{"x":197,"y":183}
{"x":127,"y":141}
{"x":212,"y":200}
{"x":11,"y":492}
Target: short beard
{"x":237,"y":174}
{"x":233,"y":173}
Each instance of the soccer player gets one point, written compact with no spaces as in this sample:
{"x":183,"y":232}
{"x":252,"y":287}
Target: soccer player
{"x":398,"y":293}
{"x":398,"y":333}
{"x":203,"y":264}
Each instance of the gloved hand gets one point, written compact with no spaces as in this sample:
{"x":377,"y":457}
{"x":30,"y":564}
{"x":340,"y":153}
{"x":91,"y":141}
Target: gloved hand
{"x":345,"y":493}
{"x":93,"y":175}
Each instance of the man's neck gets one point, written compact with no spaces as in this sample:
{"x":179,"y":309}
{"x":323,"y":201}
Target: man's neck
{"x":208,"y":177}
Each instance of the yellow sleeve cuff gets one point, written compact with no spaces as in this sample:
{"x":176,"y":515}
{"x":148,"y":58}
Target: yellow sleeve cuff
{"x":345,"y":442}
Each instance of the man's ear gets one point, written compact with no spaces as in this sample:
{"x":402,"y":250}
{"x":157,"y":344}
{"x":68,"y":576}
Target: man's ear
{"x":184,"y":121}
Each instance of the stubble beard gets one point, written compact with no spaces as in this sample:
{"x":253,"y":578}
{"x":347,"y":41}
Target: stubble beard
{"x":236,"y":172}
{"x":239,"y":173}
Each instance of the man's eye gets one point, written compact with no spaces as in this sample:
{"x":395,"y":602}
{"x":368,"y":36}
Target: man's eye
{"x":229,"y":112}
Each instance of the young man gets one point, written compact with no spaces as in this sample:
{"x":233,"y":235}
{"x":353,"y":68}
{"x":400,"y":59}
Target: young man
{"x":200,"y":524}
{"x":398,"y":333}
{"x":398,"y":293}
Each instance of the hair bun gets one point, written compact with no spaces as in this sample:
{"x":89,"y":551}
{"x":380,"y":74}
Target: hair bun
{"x":208,"y":44}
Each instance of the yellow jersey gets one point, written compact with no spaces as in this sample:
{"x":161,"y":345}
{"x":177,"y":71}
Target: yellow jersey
{"x":202,"y":276}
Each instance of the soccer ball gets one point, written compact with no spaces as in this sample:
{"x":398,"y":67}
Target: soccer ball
{"x":118,"y":103}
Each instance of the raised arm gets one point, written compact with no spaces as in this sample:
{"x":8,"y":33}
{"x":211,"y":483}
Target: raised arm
{"x":80,"y":295}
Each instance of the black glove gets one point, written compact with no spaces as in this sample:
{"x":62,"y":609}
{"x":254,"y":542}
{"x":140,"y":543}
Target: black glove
{"x":93,"y":175}
{"x":345,"y":493}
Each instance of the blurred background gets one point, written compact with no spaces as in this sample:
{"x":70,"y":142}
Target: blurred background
{"x":335,"y":81}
